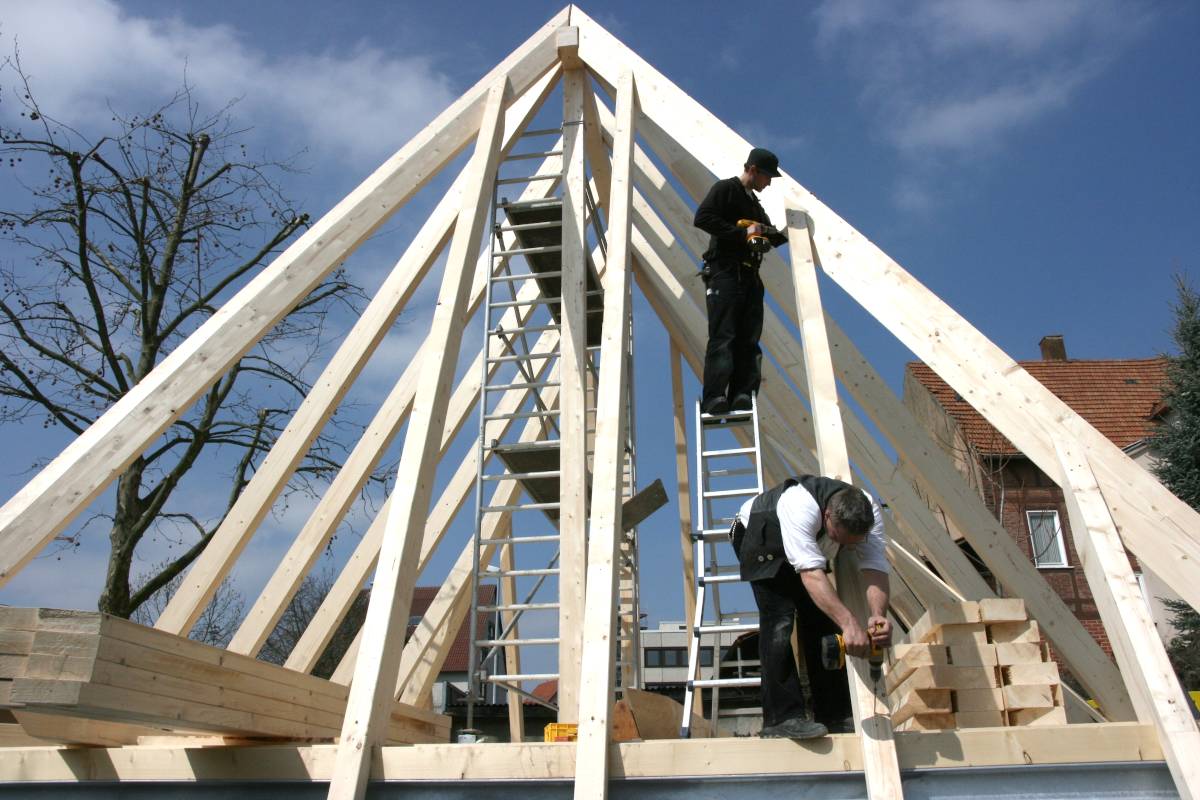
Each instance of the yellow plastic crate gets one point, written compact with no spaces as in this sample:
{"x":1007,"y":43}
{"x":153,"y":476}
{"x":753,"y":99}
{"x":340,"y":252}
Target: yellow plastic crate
{"x":561,"y":732}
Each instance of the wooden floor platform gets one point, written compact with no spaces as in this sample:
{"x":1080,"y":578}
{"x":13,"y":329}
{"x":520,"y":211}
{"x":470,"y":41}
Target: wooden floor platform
{"x":89,"y":678}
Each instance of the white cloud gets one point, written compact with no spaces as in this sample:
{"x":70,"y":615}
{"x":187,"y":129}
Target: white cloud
{"x":957,"y":78}
{"x":354,"y":106}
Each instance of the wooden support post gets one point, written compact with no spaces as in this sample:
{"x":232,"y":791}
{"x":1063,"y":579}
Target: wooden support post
{"x":47,"y":504}
{"x":512,"y":653}
{"x":572,"y":518}
{"x":596,"y":684}
{"x":684,"y":497}
{"x":387,"y":613}
{"x":871,"y":719}
{"x":1151,"y":680}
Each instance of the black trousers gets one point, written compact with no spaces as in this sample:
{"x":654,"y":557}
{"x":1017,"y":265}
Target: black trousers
{"x":732,"y":360}
{"x":781,"y":600}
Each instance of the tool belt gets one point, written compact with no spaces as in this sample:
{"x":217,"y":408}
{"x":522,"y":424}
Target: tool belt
{"x":712,"y":268}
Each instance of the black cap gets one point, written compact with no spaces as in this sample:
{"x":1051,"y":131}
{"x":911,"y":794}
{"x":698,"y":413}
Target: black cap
{"x":766,"y":161}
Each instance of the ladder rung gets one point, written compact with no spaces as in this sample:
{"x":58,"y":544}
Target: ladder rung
{"x":521,"y":507}
{"x":520,"y":251}
{"x":550,"y":412}
{"x":718,"y":682}
{"x":545,"y":202}
{"x":521,"y":476}
{"x":518,"y":572}
{"x":530,"y":178}
{"x":503,"y":387}
{"x":509,"y":642}
{"x":540,"y":301}
{"x":521,"y":357}
{"x":526,"y":329}
{"x":744,"y":627}
{"x":732,"y":492}
{"x":731,"y":578}
{"x":736,"y":451}
{"x":525,"y":539}
{"x":525,"y":276}
{"x":527,"y":156}
{"x":519,"y":607}
{"x":729,"y":473}
{"x":517,"y":678}
{"x":540,"y":132}
{"x":719,"y":535}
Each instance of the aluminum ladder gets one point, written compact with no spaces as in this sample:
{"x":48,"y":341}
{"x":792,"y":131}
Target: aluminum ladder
{"x":726,"y":477}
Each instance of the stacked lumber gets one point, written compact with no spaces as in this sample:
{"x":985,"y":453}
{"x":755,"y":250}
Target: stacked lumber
{"x":121,"y":676}
{"x":975,"y":664}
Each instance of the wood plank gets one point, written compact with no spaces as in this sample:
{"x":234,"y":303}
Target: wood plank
{"x":391,"y":596}
{"x":599,"y":634}
{"x":970,"y":700}
{"x":573,"y":403}
{"x":47,"y":504}
{"x":684,"y":489}
{"x":1149,"y":676}
{"x":510,"y":622}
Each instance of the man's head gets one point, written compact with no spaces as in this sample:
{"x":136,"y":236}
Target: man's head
{"x":849,"y":517}
{"x":761,"y":165}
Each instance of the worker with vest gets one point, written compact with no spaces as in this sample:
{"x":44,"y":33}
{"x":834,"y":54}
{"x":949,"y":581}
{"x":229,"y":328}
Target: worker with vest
{"x":777,"y":536}
{"x":740,"y":233}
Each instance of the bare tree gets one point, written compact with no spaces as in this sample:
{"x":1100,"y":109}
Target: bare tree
{"x":215,"y":626}
{"x":124,"y":245}
{"x":299,"y":613}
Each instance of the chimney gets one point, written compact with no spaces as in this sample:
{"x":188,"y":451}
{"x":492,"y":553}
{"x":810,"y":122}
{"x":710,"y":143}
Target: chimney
{"x":1053,"y":348}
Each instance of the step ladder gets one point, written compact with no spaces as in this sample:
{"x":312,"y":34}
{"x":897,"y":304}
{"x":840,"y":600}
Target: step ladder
{"x":522,"y":316}
{"x":728,"y":472}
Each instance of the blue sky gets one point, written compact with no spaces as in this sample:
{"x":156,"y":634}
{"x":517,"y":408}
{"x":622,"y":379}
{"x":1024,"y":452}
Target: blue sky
{"x":1035,"y":164}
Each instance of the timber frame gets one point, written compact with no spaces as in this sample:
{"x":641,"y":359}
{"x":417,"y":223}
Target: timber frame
{"x":378,"y":694}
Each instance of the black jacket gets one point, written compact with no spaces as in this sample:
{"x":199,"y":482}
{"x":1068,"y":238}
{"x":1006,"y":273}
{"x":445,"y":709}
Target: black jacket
{"x":760,"y":549}
{"x":727,"y":202}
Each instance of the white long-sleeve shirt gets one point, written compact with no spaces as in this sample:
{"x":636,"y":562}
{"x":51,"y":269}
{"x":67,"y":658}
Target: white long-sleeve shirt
{"x":800,"y":520}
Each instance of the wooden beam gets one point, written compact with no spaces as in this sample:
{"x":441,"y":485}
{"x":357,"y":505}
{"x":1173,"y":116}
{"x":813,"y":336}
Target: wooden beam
{"x":572,"y":515}
{"x":999,"y":389}
{"x":512,"y":653}
{"x":47,"y":504}
{"x":980,"y":747}
{"x":684,"y":495}
{"x":871,"y":717}
{"x":218,"y":557}
{"x":391,"y":596}
{"x":1152,"y":683}
{"x":599,"y":636}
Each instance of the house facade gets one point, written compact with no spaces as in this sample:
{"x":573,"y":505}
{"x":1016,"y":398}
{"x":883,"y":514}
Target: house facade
{"x":1121,"y":398}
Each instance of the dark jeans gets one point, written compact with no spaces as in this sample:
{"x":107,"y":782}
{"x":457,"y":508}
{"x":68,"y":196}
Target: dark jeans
{"x":735,"y":319}
{"x":780,"y":601}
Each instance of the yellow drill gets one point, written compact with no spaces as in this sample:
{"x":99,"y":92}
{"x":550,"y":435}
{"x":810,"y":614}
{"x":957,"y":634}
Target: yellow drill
{"x":758,"y":242}
{"x":833,"y":655}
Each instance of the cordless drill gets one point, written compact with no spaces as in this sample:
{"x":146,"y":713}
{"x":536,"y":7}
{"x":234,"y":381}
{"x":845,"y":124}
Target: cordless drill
{"x":833,"y":655}
{"x":758,"y":242}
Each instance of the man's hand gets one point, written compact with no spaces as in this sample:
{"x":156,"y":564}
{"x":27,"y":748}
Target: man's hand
{"x":880,"y":631}
{"x":855,"y":639}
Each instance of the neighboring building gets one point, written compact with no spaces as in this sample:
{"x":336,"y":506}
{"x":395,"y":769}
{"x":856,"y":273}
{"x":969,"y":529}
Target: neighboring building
{"x":1122,"y":399}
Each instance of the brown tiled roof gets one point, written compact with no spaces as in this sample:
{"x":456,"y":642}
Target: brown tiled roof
{"x":457,"y":660}
{"x":1118,"y":397}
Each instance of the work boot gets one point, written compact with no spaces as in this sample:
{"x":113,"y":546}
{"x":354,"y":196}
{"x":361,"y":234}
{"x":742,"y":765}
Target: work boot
{"x":716,"y":407}
{"x":742,"y":403}
{"x":794,"y":728}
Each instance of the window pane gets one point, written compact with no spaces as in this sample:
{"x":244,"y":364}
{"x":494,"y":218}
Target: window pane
{"x":1046,"y":539}
{"x":706,"y":654}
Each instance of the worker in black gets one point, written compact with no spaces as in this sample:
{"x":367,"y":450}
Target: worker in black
{"x":734,"y":294}
{"x":777,"y":536}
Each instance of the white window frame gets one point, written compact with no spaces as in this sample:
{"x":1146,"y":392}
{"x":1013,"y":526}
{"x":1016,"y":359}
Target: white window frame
{"x":1047,"y":560}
